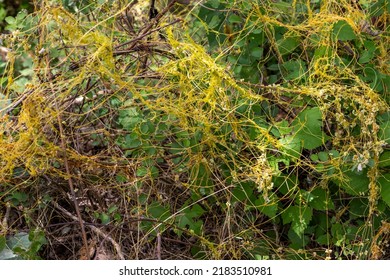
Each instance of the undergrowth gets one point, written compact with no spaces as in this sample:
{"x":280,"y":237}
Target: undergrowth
{"x":221,"y":130}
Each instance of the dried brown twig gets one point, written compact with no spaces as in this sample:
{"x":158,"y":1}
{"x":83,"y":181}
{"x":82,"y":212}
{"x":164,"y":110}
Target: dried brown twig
{"x":94,"y":229}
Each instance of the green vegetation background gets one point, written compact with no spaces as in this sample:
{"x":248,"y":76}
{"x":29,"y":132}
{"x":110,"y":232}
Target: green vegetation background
{"x":216,"y":130}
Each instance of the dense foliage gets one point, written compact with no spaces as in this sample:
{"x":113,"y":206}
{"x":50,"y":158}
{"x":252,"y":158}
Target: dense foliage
{"x":223,"y":129}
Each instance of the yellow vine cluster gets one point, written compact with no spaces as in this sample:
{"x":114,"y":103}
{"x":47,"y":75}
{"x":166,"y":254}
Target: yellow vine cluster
{"x":77,"y":58}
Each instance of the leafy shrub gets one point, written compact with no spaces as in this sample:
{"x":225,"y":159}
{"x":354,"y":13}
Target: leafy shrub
{"x":253,"y":129}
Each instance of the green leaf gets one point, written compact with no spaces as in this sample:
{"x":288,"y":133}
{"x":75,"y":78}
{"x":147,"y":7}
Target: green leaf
{"x":323,"y":52}
{"x":384,"y":133}
{"x":293,"y":69}
{"x":120,"y":178}
{"x":268,"y":208}
{"x":281,"y":6}
{"x":18,"y":198}
{"x":21,"y":15}
{"x":142,"y":171}
{"x":321,"y":200}
{"x":10,"y":20}
{"x":131,"y":141}
{"x":323,"y":156}
{"x":200,"y":175}
{"x":287,"y":185}
{"x":189,"y":218}
{"x":154,"y":172}
{"x":384,"y":159}
{"x":299,"y":217}
{"x":283,"y":127}
{"x":365,"y":57}
{"x":104,"y":218}
{"x":292,"y":146}
{"x":214,"y":22}
{"x":2,"y":243}
{"x":288,"y":45}
{"x":343,"y":31}
{"x":242,"y":192}
{"x":323,"y":239}
{"x":112,"y":209}
{"x":158,"y":211}
{"x":358,"y":208}
{"x":19,"y":240}
{"x":308,"y":126}
{"x":214,"y":3}
{"x":257,"y":52}
{"x":129,"y":122}
{"x":144,"y":128}
{"x":233,"y":18}
{"x":354,"y":183}
{"x":384,"y":183}
{"x":298,"y":241}
{"x":338,"y":234}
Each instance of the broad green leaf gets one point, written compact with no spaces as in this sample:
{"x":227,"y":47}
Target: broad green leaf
{"x":288,"y":45}
{"x":4,"y":102}
{"x":343,"y":31}
{"x":188,"y":217}
{"x":323,"y":239}
{"x":293,"y":69}
{"x":154,"y":172}
{"x":358,"y":207}
{"x":131,"y":112}
{"x":298,"y":241}
{"x":314,"y":157}
{"x":214,"y":3}
{"x":323,"y":51}
{"x":292,"y":146}
{"x":384,"y":183}
{"x":321,"y":200}
{"x":283,"y":127}
{"x":338,"y":234}
{"x":273,"y":67}
{"x":281,"y":6}
{"x":365,"y":57}
{"x":384,"y":159}
{"x":377,"y":8}
{"x":129,"y":123}
{"x":308,"y":128}
{"x":286,"y":184}
{"x":10,"y":20}
{"x":384,"y":132}
{"x":131,"y":141}
{"x":354,"y":183}
{"x":104,"y":218}
{"x":257,"y":52}
{"x":120,"y":178}
{"x":233,"y":18}
{"x":144,"y":128}
{"x":299,"y":217}
{"x":323,"y":156}
{"x":200,"y":175}
{"x":21,"y":15}
{"x":2,"y":243}
{"x":214,"y":22}
{"x":142,"y":171}
{"x":19,"y":240}
{"x":158,"y":211}
{"x":242,"y":192}
{"x":8,"y":254}
{"x":268,"y":208}
{"x":112,"y":209}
